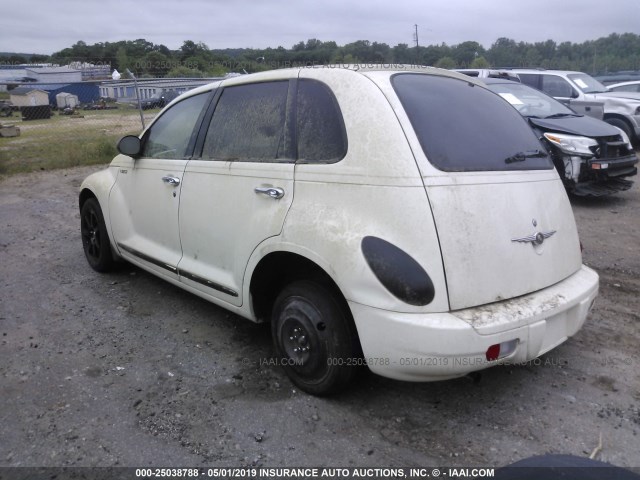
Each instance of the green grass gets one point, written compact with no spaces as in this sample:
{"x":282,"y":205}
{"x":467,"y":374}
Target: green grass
{"x":89,"y":138}
{"x":42,"y":156}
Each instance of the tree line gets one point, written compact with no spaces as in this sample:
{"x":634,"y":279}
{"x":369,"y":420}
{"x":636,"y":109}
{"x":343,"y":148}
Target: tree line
{"x":615,"y":52}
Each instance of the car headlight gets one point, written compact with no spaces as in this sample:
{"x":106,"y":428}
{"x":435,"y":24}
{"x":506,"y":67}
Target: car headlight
{"x":572,"y":144}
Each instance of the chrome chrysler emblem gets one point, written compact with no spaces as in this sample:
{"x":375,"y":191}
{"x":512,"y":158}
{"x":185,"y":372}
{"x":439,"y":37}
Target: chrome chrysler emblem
{"x":536,"y":239}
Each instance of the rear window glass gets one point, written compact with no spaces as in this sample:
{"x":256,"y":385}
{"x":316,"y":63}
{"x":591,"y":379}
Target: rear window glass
{"x":321,"y":132}
{"x":465,"y":127}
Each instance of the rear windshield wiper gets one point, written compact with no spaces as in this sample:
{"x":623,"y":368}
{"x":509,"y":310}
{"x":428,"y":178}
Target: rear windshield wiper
{"x":561,"y":115}
{"x":522,"y":156}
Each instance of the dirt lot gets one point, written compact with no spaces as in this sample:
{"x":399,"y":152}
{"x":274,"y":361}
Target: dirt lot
{"x":124,"y":369}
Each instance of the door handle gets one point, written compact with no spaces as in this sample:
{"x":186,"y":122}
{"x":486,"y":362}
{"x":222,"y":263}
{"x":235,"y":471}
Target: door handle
{"x":273,"y":192}
{"x":175,"y":181}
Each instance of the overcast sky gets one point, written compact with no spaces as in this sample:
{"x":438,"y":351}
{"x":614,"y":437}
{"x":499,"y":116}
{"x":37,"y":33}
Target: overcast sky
{"x":47,"y":26}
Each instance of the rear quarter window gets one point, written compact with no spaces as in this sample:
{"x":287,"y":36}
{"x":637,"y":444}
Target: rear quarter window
{"x":626,"y":88}
{"x":464,"y":127}
{"x":322,"y":136}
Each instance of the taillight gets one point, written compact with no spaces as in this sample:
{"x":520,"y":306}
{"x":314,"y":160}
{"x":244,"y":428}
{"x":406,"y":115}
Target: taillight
{"x":501,"y":350}
{"x":398,"y":272}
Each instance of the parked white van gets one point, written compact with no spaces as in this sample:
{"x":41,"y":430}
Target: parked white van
{"x":404,"y":219}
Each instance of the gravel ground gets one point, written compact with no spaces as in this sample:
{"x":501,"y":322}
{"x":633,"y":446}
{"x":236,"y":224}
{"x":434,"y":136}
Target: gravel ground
{"x":125,"y":369}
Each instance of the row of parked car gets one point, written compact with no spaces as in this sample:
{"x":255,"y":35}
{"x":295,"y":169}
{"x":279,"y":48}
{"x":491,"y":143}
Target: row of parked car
{"x":588,"y":128}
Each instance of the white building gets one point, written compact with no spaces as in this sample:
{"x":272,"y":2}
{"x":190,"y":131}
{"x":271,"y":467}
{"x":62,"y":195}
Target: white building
{"x":124,"y":90}
{"x":28,"y":97}
{"x":54,"y":74}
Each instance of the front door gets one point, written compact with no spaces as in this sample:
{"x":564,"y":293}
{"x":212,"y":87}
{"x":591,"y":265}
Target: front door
{"x":145,"y":199}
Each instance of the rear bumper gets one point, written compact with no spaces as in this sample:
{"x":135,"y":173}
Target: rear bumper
{"x":437,"y":346}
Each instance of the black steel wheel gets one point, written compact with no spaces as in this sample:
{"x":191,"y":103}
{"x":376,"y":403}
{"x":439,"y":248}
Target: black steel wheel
{"x":95,"y":239}
{"x":314,"y":338}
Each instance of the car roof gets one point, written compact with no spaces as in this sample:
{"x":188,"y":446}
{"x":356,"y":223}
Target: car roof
{"x":491,"y":80}
{"x":361,"y":69}
{"x":542,"y":70}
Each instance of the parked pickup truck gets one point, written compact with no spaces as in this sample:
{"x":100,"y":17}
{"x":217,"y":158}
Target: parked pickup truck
{"x":621,"y":109}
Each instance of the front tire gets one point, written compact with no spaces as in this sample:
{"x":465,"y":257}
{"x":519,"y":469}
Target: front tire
{"x":95,"y":239}
{"x":624,"y":126}
{"x":314,"y":338}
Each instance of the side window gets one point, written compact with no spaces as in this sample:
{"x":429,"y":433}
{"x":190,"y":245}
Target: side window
{"x":533,"y":80}
{"x":627,"y":88}
{"x":556,"y":86}
{"x":248,"y":124}
{"x":170,"y":136}
{"x":321,"y":134}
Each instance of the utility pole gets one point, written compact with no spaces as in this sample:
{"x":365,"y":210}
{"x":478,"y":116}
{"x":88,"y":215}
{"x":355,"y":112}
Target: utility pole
{"x":135,"y":84}
{"x":415,"y":38}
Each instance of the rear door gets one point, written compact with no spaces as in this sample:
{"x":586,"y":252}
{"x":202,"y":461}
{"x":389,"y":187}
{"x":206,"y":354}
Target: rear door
{"x":503,"y":219}
{"x":238,"y":191}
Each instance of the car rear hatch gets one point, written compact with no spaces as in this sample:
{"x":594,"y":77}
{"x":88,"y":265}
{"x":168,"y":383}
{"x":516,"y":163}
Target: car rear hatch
{"x":500,"y":240}
{"x":503,"y":218}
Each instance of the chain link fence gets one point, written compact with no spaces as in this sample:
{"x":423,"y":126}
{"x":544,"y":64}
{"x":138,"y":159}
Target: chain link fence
{"x":62,"y":124}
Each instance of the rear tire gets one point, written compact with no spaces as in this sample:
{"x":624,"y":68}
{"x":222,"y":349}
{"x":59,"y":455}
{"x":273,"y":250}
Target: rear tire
{"x":314,"y":337}
{"x":95,"y":239}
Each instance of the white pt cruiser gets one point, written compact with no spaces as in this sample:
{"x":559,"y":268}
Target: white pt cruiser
{"x":406,"y":219}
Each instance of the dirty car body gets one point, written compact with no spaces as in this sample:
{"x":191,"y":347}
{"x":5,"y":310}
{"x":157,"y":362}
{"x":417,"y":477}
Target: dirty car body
{"x":592,"y":157}
{"x":372,"y":216}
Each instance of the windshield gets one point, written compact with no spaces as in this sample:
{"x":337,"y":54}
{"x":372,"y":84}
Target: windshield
{"x":529,"y":101}
{"x":464,"y":127}
{"x":587,"y":83}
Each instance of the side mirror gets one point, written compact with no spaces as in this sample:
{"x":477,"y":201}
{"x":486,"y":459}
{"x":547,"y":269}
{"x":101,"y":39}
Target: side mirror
{"x":130,"y":145}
